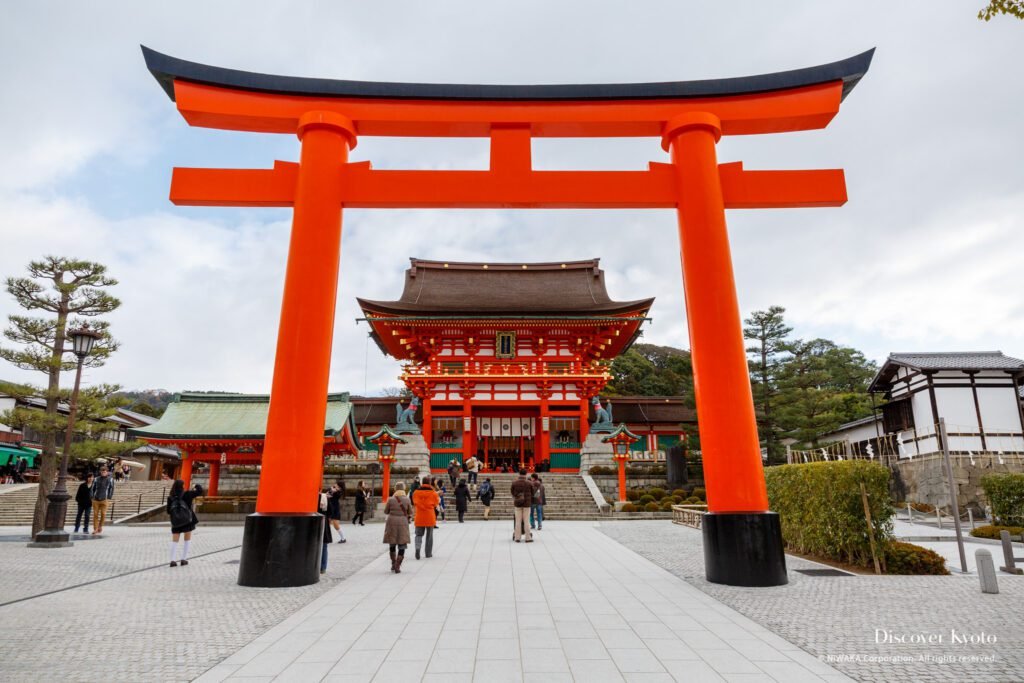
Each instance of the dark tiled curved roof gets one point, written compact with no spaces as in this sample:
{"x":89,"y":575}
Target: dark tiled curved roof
{"x":966,"y":360}
{"x":440,"y":288}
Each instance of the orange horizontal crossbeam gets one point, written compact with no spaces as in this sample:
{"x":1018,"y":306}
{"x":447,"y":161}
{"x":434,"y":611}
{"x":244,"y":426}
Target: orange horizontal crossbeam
{"x":806,"y":108}
{"x":365,"y":188}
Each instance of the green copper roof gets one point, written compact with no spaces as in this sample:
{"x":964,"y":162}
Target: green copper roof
{"x":233,"y":416}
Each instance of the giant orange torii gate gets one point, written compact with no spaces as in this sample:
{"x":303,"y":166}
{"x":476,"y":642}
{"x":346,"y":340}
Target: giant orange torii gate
{"x":742,"y":539}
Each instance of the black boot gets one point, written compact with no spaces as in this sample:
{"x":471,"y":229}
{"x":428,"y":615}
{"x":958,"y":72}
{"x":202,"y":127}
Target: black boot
{"x":398,"y":564}
{"x":394,"y":559}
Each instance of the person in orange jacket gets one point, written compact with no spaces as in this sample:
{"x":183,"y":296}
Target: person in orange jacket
{"x":425,"y":500}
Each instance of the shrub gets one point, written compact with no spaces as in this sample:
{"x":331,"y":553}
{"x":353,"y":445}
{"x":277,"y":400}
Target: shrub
{"x":629,"y":507}
{"x":821,"y":509}
{"x":679,"y":493}
{"x":676,"y":500}
{"x":632,"y":494}
{"x":601,"y":469}
{"x":699,"y":492}
{"x":652,"y":507}
{"x":1005,"y":493}
{"x":992,"y":531}
{"x":923,"y":507}
{"x":907,"y":558}
{"x":693,"y":500}
{"x":645,"y":499}
{"x":658,"y":493}
{"x":666,"y":505}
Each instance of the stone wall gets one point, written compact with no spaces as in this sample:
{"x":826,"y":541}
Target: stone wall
{"x":609,"y":483}
{"x":924,"y":479}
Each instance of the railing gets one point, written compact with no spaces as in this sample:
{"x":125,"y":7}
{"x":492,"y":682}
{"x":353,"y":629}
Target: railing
{"x":501,"y":369}
{"x":689,"y":515}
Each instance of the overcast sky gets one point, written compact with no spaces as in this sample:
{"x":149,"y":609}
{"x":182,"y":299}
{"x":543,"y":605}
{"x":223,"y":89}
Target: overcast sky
{"x":926,"y":255}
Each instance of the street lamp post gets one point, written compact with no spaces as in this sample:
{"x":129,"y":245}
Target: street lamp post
{"x":54,"y":535}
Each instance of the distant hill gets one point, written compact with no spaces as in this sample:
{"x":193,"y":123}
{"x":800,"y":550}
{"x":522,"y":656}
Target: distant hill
{"x":150,"y":402}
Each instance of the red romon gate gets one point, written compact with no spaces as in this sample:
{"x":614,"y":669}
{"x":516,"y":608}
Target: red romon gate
{"x":742,"y":539}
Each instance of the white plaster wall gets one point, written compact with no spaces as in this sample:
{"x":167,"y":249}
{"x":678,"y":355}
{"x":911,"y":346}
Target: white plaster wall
{"x":956,"y":407}
{"x":999,"y":409}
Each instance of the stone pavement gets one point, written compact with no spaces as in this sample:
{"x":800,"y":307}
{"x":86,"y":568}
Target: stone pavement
{"x":157,"y":624}
{"x":836,"y":618}
{"x":574,"y":605}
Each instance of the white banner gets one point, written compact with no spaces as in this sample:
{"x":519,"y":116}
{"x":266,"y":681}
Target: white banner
{"x":526,"y":426}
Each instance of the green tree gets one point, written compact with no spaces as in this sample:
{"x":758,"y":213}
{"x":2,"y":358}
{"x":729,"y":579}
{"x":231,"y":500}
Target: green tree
{"x":821,"y":386}
{"x":66,"y":291}
{"x":768,"y":331}
{"x":1014,"y":8}
{"x":650,"y":370}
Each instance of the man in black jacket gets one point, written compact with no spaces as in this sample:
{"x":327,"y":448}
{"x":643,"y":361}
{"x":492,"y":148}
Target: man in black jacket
{"x":84,"y":499}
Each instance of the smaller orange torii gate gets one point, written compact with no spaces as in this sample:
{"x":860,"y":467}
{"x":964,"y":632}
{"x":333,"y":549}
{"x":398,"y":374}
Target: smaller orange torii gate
{"x":742,"y":539}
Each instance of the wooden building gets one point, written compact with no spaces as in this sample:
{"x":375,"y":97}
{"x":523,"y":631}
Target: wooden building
{"x":507,"y":358}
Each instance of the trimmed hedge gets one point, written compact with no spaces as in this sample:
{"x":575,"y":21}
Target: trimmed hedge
{"x":652,"y":507}
{"x":629,"y":507}
{"x":821,"y":510}
{"x":679,"y":493}
{"x":992,"y":531}
{"x":658,"y":493}
{"x":666,"y":505}
{"x":1005,"y":493}
{"x":699,"y":492}
{"x":907,"y":558}
{"x":645,"y":499}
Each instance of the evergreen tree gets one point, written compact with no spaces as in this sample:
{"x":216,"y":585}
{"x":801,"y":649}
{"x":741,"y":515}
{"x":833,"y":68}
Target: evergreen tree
{"x":68,"y":292}
{"x":768,"y":331}
{"x":650,"y":370}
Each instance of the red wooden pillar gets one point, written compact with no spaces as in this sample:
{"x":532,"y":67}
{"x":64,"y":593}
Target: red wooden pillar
{"x":743,"y":544}
{"x":543,"y":444}
{"x":186,"y":469}
{"x":292,"y":466}
{"x":428,"y":421}
{"x":622,"y":478}
{"x":214,"y":479}
{"x":584,"y":420}
{"x":467,"y":429}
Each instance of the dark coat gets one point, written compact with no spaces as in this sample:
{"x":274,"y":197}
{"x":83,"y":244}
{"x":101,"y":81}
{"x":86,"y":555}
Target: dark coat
{"x":462,"y":497}
{"x":188,"y":497}
{"x":522,"y":486}
{"x":83,"y":496}
{"x":360,"y":500}
{"x":334,"y":505}
{"x":486,"y":496}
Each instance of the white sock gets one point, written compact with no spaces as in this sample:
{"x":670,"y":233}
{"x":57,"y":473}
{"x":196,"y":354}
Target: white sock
{"x":184,"y":550}
{"x":174,"y":546}
{"x":341,"y":535}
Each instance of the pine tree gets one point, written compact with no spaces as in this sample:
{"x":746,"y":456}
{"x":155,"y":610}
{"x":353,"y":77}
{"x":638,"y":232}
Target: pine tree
{"x":769,"y":332}
{"x":69,"y":291}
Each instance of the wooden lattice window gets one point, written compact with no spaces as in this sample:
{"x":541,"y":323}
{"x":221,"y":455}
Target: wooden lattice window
{"x":898,"y":416}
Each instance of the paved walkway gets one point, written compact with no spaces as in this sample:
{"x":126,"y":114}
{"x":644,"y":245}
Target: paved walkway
{"x":574,"y":605}
{"x":838,"y":618}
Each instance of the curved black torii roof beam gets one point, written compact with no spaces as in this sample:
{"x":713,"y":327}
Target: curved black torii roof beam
{"x":166,"y":69}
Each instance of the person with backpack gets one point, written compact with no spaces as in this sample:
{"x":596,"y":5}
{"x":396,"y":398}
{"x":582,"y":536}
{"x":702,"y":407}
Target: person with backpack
{"x":522,"y":499}
{"x":360,"y":503}
{"x":183,"y":517}
{"x":323,"y":506}
{"x":461,"y":499}
{"x":425,"y":500}
{"x":84,"y":499}
{"x":453,"y":471}
{"x":485,"y":495}
{"x":539,"y":500}
{"x":334,"y":511}
{"x":473,"y":469}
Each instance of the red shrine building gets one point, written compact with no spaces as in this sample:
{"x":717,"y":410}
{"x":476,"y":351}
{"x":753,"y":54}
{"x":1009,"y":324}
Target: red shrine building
{"x":505,"y":359}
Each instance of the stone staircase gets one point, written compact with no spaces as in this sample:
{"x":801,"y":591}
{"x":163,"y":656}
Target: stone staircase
{"x":567,"y":496}
{"x":18,"y":502}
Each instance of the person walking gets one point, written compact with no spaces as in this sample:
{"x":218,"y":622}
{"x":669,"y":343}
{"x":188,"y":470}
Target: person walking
{"x":360,"y":503}
{"x":485,"y":495}
{"x":522,"y":499}
{"x":183,"y":517}
{"x":397,"y":515}
{"x":539,"y":500}
{"x":334,"y":511}
{"x":323,"y":507}
{"x":473,"y":469}
{"x":425,"y":500}
{"x":102,"y":492}
{"x":19,"y":471}
{"x":453,"y":471}
{"x":84,"y":499}
{"x":461,"y":499}
{"x":412,"y":487}
{"x":442,"y":493}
